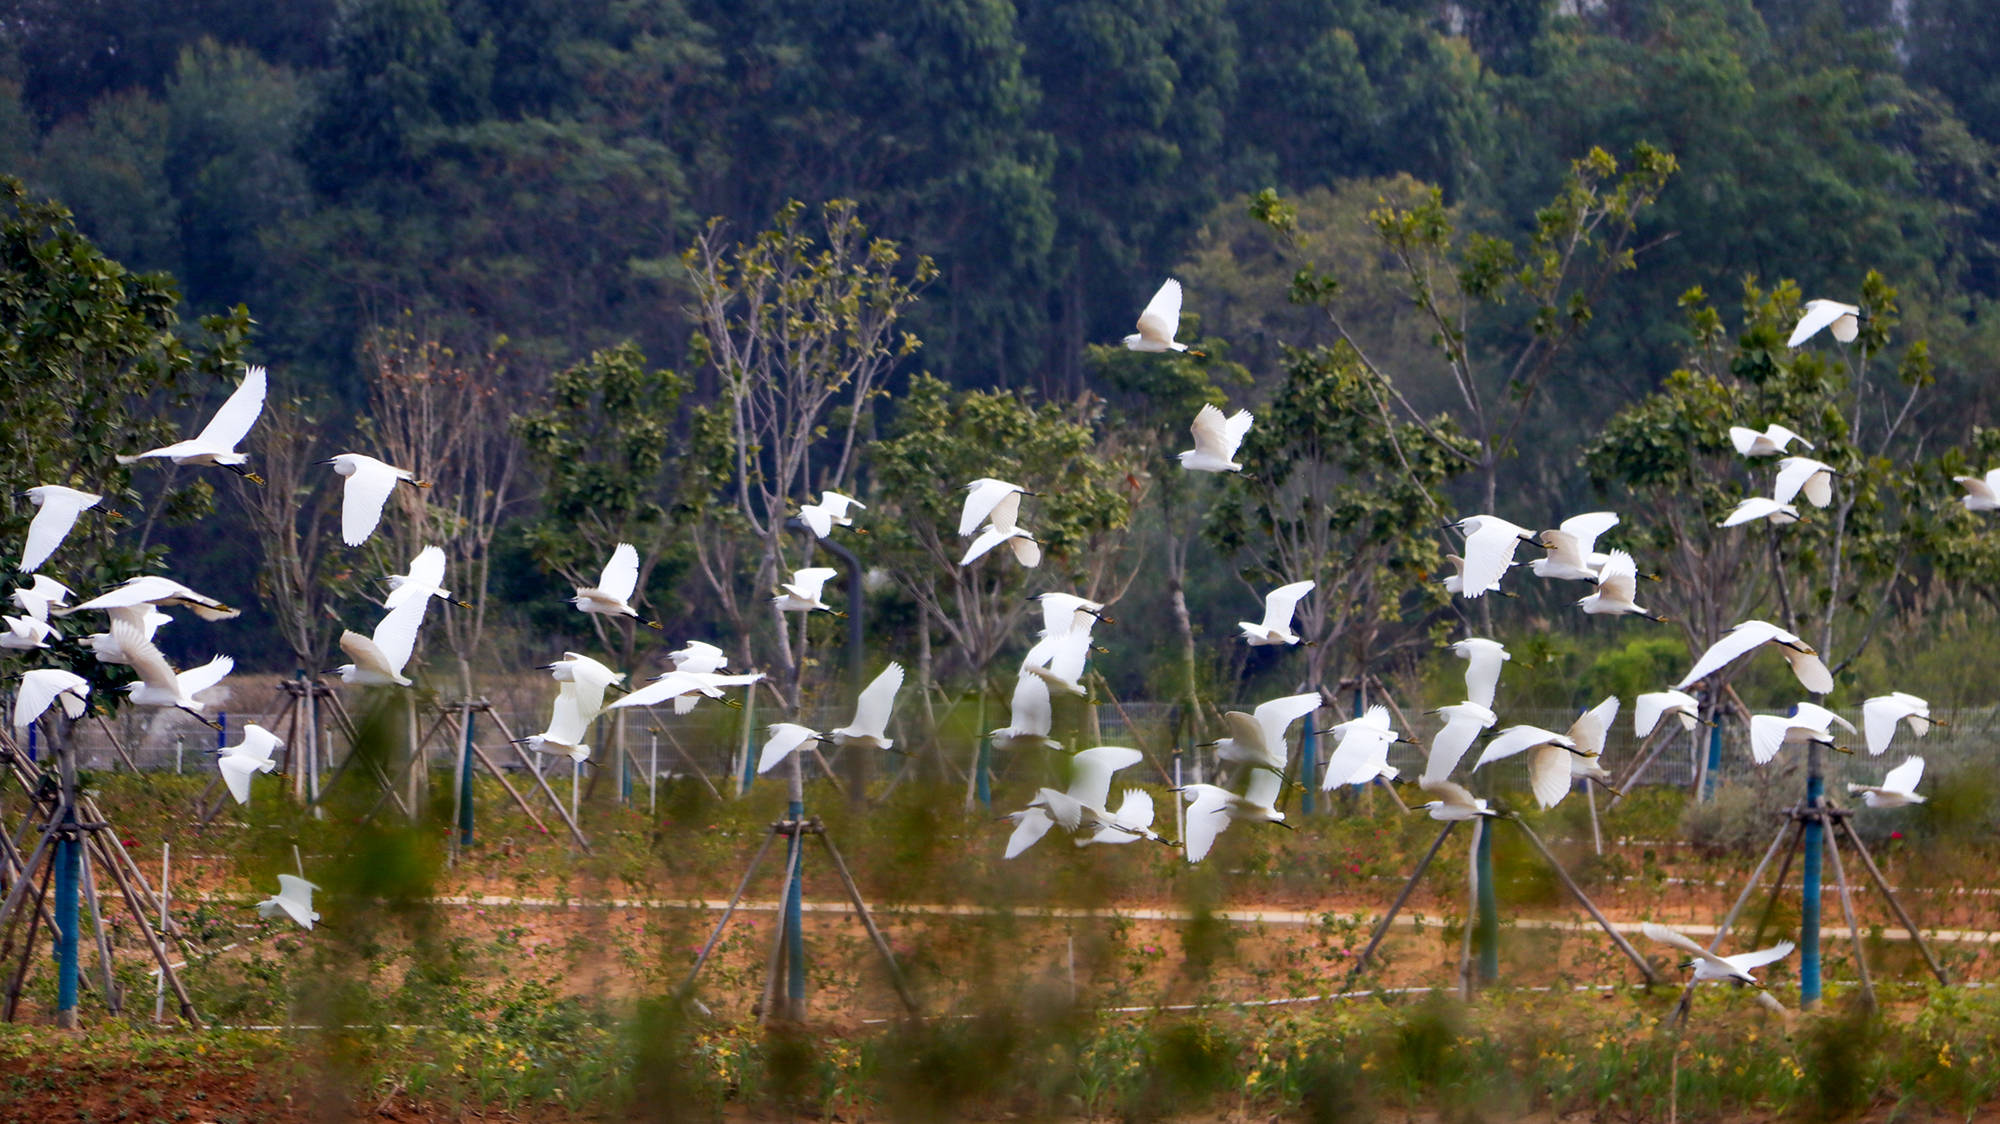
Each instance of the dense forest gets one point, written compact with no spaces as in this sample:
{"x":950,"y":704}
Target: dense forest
{"x":507,"y":194}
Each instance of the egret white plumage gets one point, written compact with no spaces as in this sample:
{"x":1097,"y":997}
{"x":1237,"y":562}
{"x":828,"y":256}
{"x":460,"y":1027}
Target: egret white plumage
{"x":46,"y":593}
{"x":152,"y":589}
{"x":1649,"y":708}
{"x":1062,"y":612}
{"x":294,"y":900}
{"x":591,"y":677}
{"x":1482,"y":669}
{"x":246,"y":758}
{"x":1807,"y":723}
{"x":830,"y":512}
{"x":1572,"y":547}
{"x":1362,"y":753}
{"x":144,"y":618}
{"x":686,"y":686}
{"x":159,"y":684}
{"x":984,"y":498}
{"x":58,"y":509}
{"x":1216,"y":439}
{"x":781,"y":739}
{"x":1982,"y":493}
{"x":1617,"y":589}
{"x":612,"y":595}
{"x":1881,"y":714}
{"x":1774,"y":440}
{"x":802,"y":593}
{"x":1844,"y":319}
{"x":1059,"y":660}
{"x":1454,"y":582}
{"x":1258,"y":738}
{"x":1453,"y":802}
{"x":45,"y":686}
{"x":23,"y":634}
{"x":379,"y":658}
{"x":1548,"y":753}
{"x":1082,"y":803}
{"x":1804,"y":476}
{"x":1708,"y":966}
{"x":1490,"y":542}
{"x":698,"y":655}
{"x":567,"y":727}
{"x":1212,"y":808}
{"x":217,"y":441}
{"x":1753,"y":508}
{"x":1898,"y":787}
{"x":1132,"y":820}
{"x":1027,"y":549}
{"x":870,"y":728}
{"x":369,"y":482}
{"x":1462,"y":723}
{"x":1160,"y":321}
{"x":1276,"y":627}
{"x":1029,"y":717}
{"x":425,"y":578}
{"x":1747,"y":637}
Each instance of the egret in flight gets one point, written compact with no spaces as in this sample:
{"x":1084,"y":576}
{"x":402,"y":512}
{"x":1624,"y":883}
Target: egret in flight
{"x":216,"y":443}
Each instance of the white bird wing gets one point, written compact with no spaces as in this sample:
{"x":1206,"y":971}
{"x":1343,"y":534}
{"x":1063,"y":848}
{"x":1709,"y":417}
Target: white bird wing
{"x":151,"y":665}
{"x":1282,"y":602}
{"x":1359,"y":747}
{"x":878,"y":699}
{"x":1162,"y":316}
{"x":1782,"y":437}
{"x":1063,"y":808}
{"x":1586,"y":527}
{"x":809,"y":582}
{"x":1750,"y":961}
{"x":1513,"y":740}
{"x":1135,"y":810}
{"x":1594,"y":725}
{"x":38,"y":689}
{"x":1619,"y":577}
{"x":1448,"y":747}
{"x":1211,"y":432}
{"x":1793,"y":475}
{"x":236,"y":773}
{"x":981,"y":497}
{"x":59,"y":508}
{"x":1817,"y":315}
{"x":699,"y":655}
{"x":1767,"y":736}
{"x":1489,"y":551}
{"x":1657,"y":932}
{"x":1482,"y":672}
{"x":621,"y":574}
{"x":233,"y":421}
{"x":1744,"y":438}
{"x":1648,"y":708}
{"x":783,"y":738}
{"x":1090,"y":772}
{"x":1235,"y":430}
{"x":1904,"y":777}
{"x":1207,"y":816}
{"x":1820,"y":717}
{"x":362,"y":498}
{"x":396,"y":633}
{"x":1549,"y":774}
{"x":1263,"y":787}
{"x":991,"y":537}
{"x":257,"y":743}
{"x":672,"y":685}
{"x":1275,"y":717}
{"x":1879,"y":717}
{"x":1031,"y":712}
{"x":567,"y":724}
{"x":1068,"y":653}
{"x":195,"y":680}
{"x":1449,"y":791}
{"x":817,"y":519}
{"x":1752,"y":509}
{"x":427,"y":568}
{"x":1028,"y":830}
{"x":1811,"y":671}
{"x":1736,"y":643}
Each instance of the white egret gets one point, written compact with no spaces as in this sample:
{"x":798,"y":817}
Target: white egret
{"x":1747,"y":637}
{"x":1804,"y":476}
{"x":1029,"y":717}
{"x":592,"y":679}
{"x":1753,"y":508}
{"x":159,"y":684}
{"x":1880,"y":715}
{"x":1774,"y":440}
{"x":830,"y":512}
{"x":379,"y":659}
{"x":1844,"y":319}
{"x":1362,"y":753}
{"x":1982,"y":493}
{"x":216,"y":443}
{"x":59,"y":507}
{"x":1482,"y":669}
{"x":25,"y":633}
{"x":1808,"y":722}
{"x":1708,"y":966}
{"x":1027,"y":549}
{"x":698,"y":655}
{"x":425,"y":578}
{"x":1216,"y":439}
{"x":612,"y":595}
{"x":152,"y":589}
{"x":241,"y":761}
{"x":1548,"y":759}
{"x":1572,"y":547}
{"x":1649,"y":708}
{"x":870,"y":728}
{"x":1160,"y":321}
{"x":1131,"y":820}
{"x":1454,"y":802}
{"x":1617,"y":588}
{"x":1898,"y":787}
{"x":369,"y":482}
{"x":145,"y":618}
{"x":294,"y":900}
{"x":1083,"y":802}
{"x":1062,"y":612}
{"x":987,"y":499}
{"x":1490,"y":542}
{"x":567,"y":727}
{"x":802,"y":593}
{"x":781,"y":739}
{"x":688,"y":686}
{"x":1276,"y":627}
{"x":1059,"y":661}
{"x":44,"y":686}
{"x":1030,"y":824}
{"x":1212,"y":808}
{"x":1463,"y":722}
{"x":1258,"y":738}
{"x":46,"y":593}
{"x":1454,"y":582}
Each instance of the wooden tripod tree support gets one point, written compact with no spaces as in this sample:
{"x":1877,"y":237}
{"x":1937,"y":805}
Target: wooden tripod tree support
{"x":796,"y":832}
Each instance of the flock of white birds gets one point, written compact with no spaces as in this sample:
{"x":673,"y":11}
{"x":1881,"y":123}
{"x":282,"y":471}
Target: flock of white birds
{"x":1256,"y":746}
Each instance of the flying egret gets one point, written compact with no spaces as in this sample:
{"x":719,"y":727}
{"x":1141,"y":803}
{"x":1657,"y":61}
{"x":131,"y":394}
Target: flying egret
{"x":1160,"y":321}
{"x":1027,"y":549}
{"x":1454,"y":582}
{"x":379,"y":659}
{"x":1753,"y":508}
{"x":424,"y":579}
{"x":1083,"y":802}
{"x":1548,"y":754}
{"x":567,"y":727}
{"x":1617,"y":586}
{"x":1362,"y":753}
{"x":1030,"y":824}
{"x":145,"y":618}
{"x":216,"y":443}
{"x":802,"y":593}
{"x":159,"y":684}
{"x":25,"y":633}
{"x":1062,"y":612}
{"x":1029,"y":717}
{"x":1808,"y":722}
{"x":680,"y":685}
{"x":1490,"y":542}
{"x":1276,"y":627}
{"x":1649,"y":708}
{"x":1258,"y":738}
{"x":59,"y":508}
{"x":830,"y":512}
{"x":1059,"y":661}
{"x":1216,"y":439}
{"x":1482,"y":669}
{"x":1131,"y":820}
{"x":1844,"y":319}
{"x":246,"y":758}
{"x":1212,"y":808}
{"x":987,"y":499}
{"x":1982,"y":493}
{"x":1463,"y":722}
{"x":1747,"y":637}
{"x":294,"y":900}
{"x":781,"y":739}
{"x":696,"y":656}
{"x":1804,"y":475}
{"x":870,"y":728}
{"x":369,"y":483}
{"x":1880,"y":715}
{"x":1572,"y":547}
{"x":612,"y":595}
{"x":44,"y":686}
{"x":1454,"y":802}
{"x":47,"y":593}
{"x":1708,"y":966}
{"x":152,"y":589}
{"x":1774,"y":440}
{"x":1898,"y":787}
{"x":592,"y":679}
